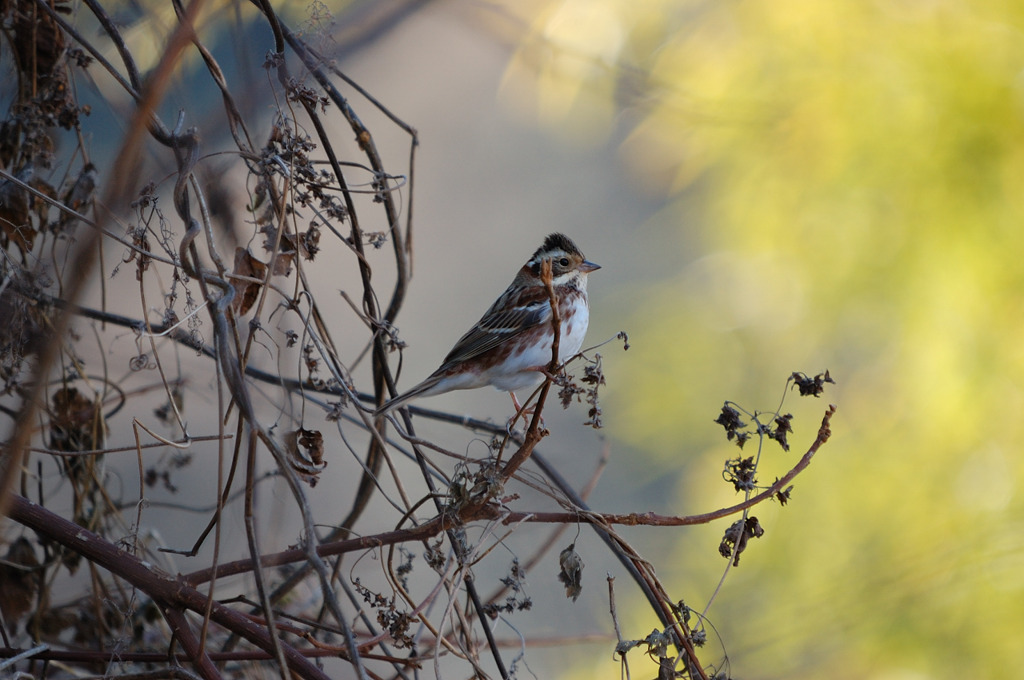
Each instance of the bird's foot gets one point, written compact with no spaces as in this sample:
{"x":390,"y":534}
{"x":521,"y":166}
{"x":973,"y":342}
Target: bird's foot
{"x":521,"y":412}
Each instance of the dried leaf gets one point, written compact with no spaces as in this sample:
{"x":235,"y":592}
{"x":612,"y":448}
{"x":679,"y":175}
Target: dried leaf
{"x":76,"y":422}
{"x":308,"y":245}
{"x":38,"y":44}
{"x":730,"y":419}
{"x":736,"y":537}
{"x":783,"y":426}
{"x":18,"y":586}
{"x":309,"y":241}
{"x":246,"y":292}
{"x":313,"y":442}
{"x":283,"y":264}
{"x":77,"y":425}
{"x":658,"y":643}
{"x":811,"y":387}
{"x":571,"y":571}
{"x":306,"y":453}
{"x":14,"y":212}
{"x":741,"y":473}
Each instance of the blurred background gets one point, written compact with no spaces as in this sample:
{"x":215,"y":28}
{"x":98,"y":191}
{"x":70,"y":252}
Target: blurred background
{"x":770,"y":187}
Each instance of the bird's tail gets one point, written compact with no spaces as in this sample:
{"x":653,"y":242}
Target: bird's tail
{"x":423,"y":389}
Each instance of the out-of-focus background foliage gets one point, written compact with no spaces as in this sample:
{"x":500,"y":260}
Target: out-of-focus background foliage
{"x":771,"y":185}
{"x":841,"y":185}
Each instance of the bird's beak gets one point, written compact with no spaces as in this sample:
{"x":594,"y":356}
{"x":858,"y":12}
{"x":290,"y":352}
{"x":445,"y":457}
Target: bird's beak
{"x":587,"y":266}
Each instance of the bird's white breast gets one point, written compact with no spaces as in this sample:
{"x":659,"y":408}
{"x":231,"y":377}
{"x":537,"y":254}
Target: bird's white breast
{"x":522,"y":367}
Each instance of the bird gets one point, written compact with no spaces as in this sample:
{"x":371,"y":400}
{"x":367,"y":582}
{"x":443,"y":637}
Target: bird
{"x":510,"y":346}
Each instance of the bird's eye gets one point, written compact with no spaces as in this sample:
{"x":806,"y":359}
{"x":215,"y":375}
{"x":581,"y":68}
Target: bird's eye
{"x":564,"y":262}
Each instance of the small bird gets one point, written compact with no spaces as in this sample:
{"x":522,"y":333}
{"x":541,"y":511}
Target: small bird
{"x":510,"y":346}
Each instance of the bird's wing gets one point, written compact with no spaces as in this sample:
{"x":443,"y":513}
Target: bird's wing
{"x":517,"y":310}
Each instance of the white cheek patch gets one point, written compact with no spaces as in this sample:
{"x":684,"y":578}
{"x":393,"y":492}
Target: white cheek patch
{"x":562,"y":279}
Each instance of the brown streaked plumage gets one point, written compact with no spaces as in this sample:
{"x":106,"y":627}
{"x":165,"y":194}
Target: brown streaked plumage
{"x":510,"y":345}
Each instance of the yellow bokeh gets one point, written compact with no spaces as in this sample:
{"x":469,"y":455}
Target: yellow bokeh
{"x":858,"y":169}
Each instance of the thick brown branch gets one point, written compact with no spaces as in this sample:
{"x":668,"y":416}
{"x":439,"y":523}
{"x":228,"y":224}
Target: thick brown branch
{"x":169,"y":591}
